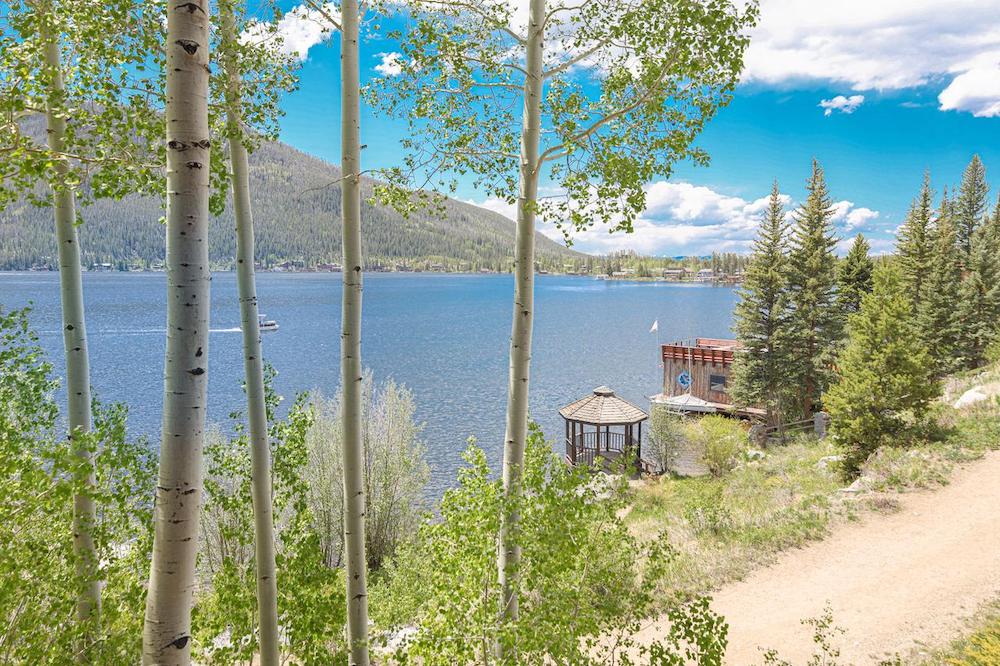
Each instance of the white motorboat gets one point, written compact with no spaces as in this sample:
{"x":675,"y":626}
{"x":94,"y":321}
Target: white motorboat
{"x":266,"y":324}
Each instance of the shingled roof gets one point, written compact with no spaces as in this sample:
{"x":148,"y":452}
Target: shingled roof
{"x":603,"y":407}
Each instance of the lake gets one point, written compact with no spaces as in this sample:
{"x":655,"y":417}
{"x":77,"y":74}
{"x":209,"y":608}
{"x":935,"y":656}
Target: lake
{"x":445,"y":336}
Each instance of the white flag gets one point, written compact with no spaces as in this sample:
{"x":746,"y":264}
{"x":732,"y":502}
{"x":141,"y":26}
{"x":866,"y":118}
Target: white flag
{"x":655,"y":327}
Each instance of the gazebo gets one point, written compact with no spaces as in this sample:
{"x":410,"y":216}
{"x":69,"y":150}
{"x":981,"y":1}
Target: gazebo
{"x":602,"y":425}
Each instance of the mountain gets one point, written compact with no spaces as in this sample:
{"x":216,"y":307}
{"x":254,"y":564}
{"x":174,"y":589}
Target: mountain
{"x":296,"y":200}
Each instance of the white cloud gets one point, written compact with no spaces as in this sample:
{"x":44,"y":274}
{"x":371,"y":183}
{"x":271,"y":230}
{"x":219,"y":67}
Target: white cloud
{"x":300,"y":29}
{"x":843,"y":104}
{"x":681,"y":218}
{"x":883,"y":45}
{"x":850,"y":218}
{"x":390,"y":65}
{"x":976,"y":91}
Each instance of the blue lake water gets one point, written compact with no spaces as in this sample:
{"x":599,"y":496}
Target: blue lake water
{"x":444,"y":336}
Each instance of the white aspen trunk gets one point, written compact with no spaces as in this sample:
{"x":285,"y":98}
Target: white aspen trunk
{"x":350,"y":337}
{"x":509,"y":554}
{"x":88,"y":602}
{"x":253,"y":364}
{"x":167,"y":633}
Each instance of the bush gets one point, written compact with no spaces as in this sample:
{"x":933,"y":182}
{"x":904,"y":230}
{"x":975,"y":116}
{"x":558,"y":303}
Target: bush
{"x":718,"y":442}
{"x":723,"y":440}
{"x":584,"y":579}
{"x":396,"y":472}
{"x":982,"y":648}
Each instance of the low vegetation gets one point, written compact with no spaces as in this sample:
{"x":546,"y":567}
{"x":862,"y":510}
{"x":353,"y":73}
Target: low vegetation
{"x":723,"y":525}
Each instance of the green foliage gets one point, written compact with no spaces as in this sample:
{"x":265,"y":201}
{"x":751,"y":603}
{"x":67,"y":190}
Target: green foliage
{"x":915,"y":246}
{"x":885,"y":384}
{"x":760,"y":371}
{"x":938,"y":315}
{"x":585,"y":582}
{"x":979,"y":294}
{"x":854,"y":276}
{"x":618,"y":109}
{"x":816,"y":323}
{"x":723,"y":441}
{"x":38,"y":479}
{"x":970,"y":206}
{"x":110,"y":63}
{"x":310,"y":595}
{"x":396,"y":471}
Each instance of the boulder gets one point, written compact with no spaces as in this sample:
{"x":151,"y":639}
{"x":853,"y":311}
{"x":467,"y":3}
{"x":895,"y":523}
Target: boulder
{"x":970,"y":397}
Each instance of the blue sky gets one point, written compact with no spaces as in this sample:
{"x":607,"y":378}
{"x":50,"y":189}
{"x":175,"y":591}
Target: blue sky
{"x":878,"y":92}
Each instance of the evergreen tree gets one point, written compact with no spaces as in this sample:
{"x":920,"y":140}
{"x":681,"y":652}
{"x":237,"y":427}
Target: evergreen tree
{"x":815,"y":322}
{"x":915,"y":245}
{"x":970,"y":206}
{"x":760,"y":370}
{"x":854,"y":276}
{"x":937,"y":316}
{"x":979,"y":294}
{"x":885,"y":383}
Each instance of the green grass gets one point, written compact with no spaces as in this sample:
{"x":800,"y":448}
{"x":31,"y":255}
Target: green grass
{"x":721,"y":528}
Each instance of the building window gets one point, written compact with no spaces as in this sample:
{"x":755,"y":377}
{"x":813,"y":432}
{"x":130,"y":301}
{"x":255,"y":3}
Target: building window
{"x":717,"y":383}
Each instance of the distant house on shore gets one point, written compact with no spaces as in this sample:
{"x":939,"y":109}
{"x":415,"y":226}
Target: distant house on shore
{"x":706,"y":275}
{"x":676,"y":274}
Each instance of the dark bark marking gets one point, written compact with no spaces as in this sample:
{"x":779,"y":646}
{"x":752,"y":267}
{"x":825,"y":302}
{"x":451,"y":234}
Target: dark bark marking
{"x":190,"y":47}
{"x":197,"y":371}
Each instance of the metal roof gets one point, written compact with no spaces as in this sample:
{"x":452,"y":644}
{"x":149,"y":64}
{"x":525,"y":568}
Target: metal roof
{"x":603,"y":407}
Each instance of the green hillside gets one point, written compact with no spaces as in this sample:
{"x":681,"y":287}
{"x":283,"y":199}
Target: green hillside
{"x":297,"y":214}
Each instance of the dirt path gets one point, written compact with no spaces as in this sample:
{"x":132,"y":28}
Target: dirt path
{"x":891,"y":580}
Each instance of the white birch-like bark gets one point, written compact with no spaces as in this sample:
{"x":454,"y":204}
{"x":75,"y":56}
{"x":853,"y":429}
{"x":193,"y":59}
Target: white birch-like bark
{"x":167,"y":632}
{"x":350,"y":337}
{"x":253,"y":364}
{"x":509,"y":554}
{"x":75,"y":345}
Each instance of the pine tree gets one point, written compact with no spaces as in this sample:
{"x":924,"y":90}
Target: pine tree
{"x":815,"y":322}
{"x":759,"y":373}
{"x":970,"y":206}
{"x":938,"y":320}
{"x":915,"y":245}
{"x":854,"y":276}
{"x":885,"y":383}
{"x":979,"y":293}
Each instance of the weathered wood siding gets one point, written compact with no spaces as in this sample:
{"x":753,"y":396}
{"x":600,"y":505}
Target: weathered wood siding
{"x":702,"y":363}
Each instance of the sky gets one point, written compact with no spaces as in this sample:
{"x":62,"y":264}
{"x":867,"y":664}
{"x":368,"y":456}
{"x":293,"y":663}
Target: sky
{"x":878,"y":91}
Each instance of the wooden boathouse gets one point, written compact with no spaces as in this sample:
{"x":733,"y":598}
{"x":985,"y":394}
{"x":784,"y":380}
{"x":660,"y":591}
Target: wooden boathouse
{"x":603,"y":428}
{"x":697,"y":375}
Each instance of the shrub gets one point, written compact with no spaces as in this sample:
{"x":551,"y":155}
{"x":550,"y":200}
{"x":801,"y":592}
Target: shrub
{"x":982,"y":648}
{"x":585,"y":583}
{"x":396,"y":471}
{"x":723,"y":441}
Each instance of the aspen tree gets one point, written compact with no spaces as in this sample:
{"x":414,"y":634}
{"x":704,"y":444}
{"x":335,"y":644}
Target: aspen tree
{"x":167,"y":635}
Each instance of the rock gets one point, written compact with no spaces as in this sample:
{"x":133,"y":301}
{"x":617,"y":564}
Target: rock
{"x":970,"y":397}
{"x":857,"y":487}
{"x":755,"y":454}
{"x":826,"y":461}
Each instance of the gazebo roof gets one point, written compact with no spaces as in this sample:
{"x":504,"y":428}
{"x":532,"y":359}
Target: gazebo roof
{"x":603,"y":407}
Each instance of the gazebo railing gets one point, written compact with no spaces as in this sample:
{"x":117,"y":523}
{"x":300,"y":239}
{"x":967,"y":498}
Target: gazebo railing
{"x":586,"y":446}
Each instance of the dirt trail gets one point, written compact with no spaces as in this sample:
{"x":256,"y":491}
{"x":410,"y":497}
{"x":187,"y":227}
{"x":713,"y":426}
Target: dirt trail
{"x":892,"y":580}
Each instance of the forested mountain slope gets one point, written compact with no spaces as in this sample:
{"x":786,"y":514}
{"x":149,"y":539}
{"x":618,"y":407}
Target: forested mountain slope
{"x":297,"y":215}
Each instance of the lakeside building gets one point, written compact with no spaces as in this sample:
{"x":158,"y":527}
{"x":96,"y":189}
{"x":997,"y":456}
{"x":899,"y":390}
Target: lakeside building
{"x":697,"y":375}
